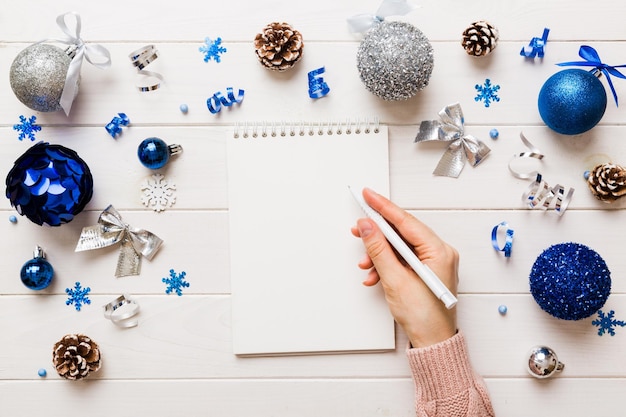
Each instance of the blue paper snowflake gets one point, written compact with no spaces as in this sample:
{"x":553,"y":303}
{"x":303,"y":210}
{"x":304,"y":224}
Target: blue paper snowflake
{"x":487,"y":92}
{"x":27,"y":127}
{"x":212,"y":49}
{"x":606,"y":323}
{"x":176,"y":282}
{"x":77,"y":296}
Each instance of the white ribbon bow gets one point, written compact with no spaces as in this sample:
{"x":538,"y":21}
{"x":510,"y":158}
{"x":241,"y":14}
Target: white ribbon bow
{"x":361,"y":23}
{"x":83,"y":51}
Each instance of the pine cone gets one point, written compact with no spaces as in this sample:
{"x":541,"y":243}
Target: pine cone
{"x":279,"y":46}
{"x":480,"y":38}
{"x":75,"y":355}
{"x":607,"y":182}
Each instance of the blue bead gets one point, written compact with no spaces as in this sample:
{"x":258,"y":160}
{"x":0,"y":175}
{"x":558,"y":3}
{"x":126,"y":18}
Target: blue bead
{"x":37,"y":273}
{"x":502,"y":309}
{"x":184,"y":108}
{"x":42,"y":372}
{"x":572,"y":101}
{"x":153,"y":153}
{"x":493,"y":133}
{"x":586,"y":174}
{"x":12,"y":219}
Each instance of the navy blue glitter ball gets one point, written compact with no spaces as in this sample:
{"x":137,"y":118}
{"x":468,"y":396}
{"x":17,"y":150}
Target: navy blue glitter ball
{"x":572,"y":101}
{"x":49,"y":184}
{"x":570,"y":281}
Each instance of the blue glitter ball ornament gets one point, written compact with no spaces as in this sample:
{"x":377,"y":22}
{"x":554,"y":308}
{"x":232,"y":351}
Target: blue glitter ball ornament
{"x":154,"y":153}
{"x":49,"y":184}
{"x":570,"y":281}
{"x":572,"y":101}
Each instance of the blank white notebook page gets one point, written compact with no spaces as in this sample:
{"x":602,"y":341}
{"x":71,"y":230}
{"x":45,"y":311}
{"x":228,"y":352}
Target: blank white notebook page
{"x":296,"y":286}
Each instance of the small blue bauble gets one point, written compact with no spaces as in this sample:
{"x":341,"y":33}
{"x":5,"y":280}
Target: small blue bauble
{"x":572,"y":101}
{"x":49,"y":184}
{"x":570,"y":281}
{"x":154,"y":153}
{"x":37,"y":273}
{"x":42,"y":372}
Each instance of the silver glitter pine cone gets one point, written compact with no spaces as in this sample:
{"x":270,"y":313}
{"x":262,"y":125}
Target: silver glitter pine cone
{"x":607,"y":182}
{"x":395,"y":60}
{"x":38,"y":75}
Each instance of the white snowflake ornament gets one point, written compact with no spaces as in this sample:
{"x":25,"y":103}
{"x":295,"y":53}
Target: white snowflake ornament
{"x":158,"y":193}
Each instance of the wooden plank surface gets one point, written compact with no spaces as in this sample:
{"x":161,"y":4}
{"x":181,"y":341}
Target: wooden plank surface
{"x":179,"y":357}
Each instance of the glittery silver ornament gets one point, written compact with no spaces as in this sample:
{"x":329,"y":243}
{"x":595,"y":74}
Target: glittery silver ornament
{"x":38,"y":75}
{"x":543,"y":362}
{"x":395,"y":60}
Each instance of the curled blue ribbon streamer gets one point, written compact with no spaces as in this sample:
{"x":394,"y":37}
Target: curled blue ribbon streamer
{"x":215,"y":102}
{"x":317,"y":86}
{"x":592,"y":59}
{"x":508,"y":244}
{"x":540,"y":195}
{"x":114,"y":127}
{"x":536,"y":46}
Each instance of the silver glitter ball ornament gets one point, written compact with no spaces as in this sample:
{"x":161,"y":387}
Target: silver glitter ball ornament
{"x":38,"y":75}
{"x":543,"y":362}
{"x":395,"y":60}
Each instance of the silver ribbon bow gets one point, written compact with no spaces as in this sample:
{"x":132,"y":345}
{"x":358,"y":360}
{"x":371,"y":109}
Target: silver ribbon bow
{"x":82,"y":51}
{"x":361,"y":23}
{"x":111,"y":230}
{"x":462,"y":147}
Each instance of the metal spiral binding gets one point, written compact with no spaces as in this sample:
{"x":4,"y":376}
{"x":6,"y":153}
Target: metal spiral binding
{"x":302,"y":128}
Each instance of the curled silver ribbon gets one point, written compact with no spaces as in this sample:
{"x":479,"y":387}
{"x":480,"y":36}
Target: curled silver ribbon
{"x":81,"y":51}
{"x":462,"y":147}
{"x":534,"y":153}
{"x":111,"y":230}
{"x":361,"y":23}
{"x":540,"y":195}
{"x":121,"y":310}
{"x":141,"y":58}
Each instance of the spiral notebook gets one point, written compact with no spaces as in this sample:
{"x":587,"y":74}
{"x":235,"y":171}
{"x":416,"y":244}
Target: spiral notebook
{"x":296,"y":287}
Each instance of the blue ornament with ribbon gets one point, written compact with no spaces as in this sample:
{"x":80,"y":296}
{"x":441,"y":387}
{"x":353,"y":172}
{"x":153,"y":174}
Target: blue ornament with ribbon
{"x":49,"y":184}
{"x":573,"y":101}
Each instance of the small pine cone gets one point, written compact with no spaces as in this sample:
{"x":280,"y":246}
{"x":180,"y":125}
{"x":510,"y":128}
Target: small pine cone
{"x":279,"y":46}
{"x":480,"y":38}
{"x":75,"y":355}
{"x":607,"y":182}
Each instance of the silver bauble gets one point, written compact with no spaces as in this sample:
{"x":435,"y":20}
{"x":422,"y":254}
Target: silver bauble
{"x":395,"y":60}
{"x":543,"y":362}
{"x":38,"y":76}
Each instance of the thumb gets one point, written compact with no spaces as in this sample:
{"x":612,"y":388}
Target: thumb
{"x":377,"y":247}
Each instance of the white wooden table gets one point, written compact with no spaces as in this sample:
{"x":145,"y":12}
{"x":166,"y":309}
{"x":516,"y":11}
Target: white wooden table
{"x":178,"y":360}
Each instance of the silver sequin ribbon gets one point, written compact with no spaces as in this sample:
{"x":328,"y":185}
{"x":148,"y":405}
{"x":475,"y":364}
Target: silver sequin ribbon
{"x":462,"y":147}
{"x":112,"y":230}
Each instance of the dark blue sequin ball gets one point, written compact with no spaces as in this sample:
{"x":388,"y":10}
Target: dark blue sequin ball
{"x":49,"y":184}
{"x":570,"y":281}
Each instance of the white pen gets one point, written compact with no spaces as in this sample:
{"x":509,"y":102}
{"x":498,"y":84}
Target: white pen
{"x":431,"y":279}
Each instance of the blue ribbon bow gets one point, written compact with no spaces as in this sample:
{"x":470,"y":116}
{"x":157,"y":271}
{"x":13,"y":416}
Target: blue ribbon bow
{"x":592,"y":59}
{"x":536,"y":45}
{"x":363,"y":22}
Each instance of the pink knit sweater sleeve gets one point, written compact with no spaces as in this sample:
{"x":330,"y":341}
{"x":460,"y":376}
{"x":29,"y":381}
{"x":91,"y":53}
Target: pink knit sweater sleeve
{"x":446,"y":385}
